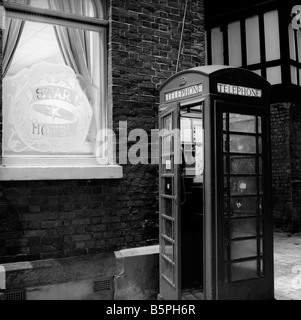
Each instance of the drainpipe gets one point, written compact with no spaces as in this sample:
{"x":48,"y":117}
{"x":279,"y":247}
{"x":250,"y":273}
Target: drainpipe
{"x":182,"y":32}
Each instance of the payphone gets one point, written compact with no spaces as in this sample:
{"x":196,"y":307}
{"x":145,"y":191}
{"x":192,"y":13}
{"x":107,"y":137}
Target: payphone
{"x":215,"y":216}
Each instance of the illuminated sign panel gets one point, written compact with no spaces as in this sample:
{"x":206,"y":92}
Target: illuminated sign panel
{"x":238,"y":90}
{"x":185,"y":92}
{"x":47,"y":112}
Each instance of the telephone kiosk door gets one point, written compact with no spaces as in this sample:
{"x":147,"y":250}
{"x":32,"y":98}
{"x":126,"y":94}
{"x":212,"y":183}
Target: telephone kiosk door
{"x":214,"y":188}
{"x":181,"y":194}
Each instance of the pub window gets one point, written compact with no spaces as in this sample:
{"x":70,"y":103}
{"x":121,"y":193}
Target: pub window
{"x":54,"y":82}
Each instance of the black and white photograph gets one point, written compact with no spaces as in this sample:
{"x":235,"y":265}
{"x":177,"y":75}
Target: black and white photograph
{"x":150,"y":153}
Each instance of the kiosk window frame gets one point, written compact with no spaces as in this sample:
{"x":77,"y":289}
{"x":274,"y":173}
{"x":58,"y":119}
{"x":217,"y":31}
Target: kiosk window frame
{"x":243,"y":233}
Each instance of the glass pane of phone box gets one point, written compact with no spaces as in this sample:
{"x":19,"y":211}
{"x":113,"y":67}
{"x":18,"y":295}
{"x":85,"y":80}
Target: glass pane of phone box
{"x":192,"y":137}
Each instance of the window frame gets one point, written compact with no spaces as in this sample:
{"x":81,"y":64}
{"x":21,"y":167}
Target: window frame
{"x":278,"y":91}
{"x":56,"y":171}
{"x":263,"y":64}
{"x":296,"y":63}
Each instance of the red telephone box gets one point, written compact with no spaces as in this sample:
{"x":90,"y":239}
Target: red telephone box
{"x":215,"y":174}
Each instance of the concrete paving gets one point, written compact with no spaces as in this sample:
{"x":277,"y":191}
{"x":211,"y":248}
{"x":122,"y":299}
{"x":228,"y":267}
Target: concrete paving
{"x":287,"y":266}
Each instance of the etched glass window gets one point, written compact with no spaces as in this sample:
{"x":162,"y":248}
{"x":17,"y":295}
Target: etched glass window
{"x":54,"y":86}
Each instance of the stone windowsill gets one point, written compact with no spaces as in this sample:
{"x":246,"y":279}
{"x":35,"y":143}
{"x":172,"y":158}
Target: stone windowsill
{"x":134,"y":252}
{"x":27,"y":173}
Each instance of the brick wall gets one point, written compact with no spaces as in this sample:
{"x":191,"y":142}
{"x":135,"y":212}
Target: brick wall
{"x":286,"y":165}
{"x":51,"y":219}
{"x":281,"y":163}
{"x":296,"y":166}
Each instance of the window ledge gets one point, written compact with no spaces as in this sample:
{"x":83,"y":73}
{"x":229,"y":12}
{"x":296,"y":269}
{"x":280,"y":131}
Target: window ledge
{"x":26,"y":173}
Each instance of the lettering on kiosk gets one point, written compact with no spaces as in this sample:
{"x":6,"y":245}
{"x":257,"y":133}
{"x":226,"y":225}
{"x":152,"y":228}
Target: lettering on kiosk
{"x":185,"y":92}
{"x":48,"y":112}
{"x":238,"y":90}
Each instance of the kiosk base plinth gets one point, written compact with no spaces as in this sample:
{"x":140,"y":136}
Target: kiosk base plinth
{"x":193,"y":294}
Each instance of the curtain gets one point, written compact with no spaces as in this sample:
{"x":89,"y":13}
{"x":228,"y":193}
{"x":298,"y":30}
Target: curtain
{"x":79,"y":51}
{"x":12,"y":35}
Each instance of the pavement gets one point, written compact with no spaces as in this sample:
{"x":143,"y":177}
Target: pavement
{"x":287,"y":266}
